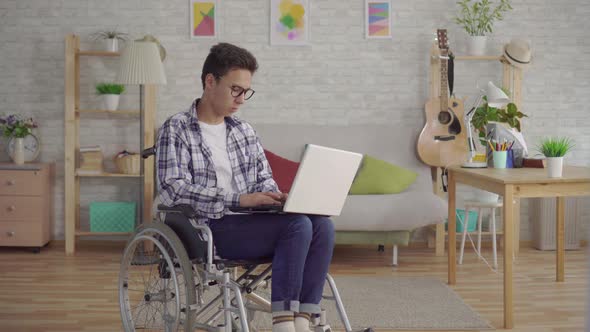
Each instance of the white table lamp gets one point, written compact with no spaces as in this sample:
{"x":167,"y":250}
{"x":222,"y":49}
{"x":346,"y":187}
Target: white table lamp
{"x":140,"y":65}
{"x":496,"y":98}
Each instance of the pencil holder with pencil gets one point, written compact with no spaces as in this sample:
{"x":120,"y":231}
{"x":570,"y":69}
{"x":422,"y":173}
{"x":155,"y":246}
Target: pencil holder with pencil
{"x":501,"y":153}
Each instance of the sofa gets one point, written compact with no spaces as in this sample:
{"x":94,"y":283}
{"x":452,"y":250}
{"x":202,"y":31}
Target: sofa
{"x":368,"y":219}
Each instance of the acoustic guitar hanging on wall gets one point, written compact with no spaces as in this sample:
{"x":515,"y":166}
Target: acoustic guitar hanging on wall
{"x":443,"y":141}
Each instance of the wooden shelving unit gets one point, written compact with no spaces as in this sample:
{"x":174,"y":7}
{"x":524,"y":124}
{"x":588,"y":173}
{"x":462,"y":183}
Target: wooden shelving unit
{"x":72,"y":142}
{"x":511,"y":81}
{"x":98,"y":53}
{"x":479,"y":57}
{"x":108,"y":175}
{"x":101,"y":234}
{"x":511,"y":76}
{"x":115,"y":113}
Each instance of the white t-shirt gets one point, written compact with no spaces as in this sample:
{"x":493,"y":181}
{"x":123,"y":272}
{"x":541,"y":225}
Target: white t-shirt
{"x":216,"y":138}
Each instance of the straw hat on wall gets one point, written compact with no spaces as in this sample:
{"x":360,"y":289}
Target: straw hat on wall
{"x":518,"y":52}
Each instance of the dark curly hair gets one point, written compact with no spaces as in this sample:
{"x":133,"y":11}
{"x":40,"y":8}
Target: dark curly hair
{"x":224,"y":57}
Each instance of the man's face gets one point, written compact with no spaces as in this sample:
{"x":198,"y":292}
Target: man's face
{"x":235,"y":81}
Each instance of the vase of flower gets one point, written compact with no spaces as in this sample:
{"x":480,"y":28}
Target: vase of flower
{"x":19,"y":151}
{"x":16,"y":127}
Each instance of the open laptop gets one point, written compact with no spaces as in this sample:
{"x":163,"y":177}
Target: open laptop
{"x":321,"y":184}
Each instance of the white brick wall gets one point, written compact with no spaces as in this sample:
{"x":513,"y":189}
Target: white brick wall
{"x":340,"y":78}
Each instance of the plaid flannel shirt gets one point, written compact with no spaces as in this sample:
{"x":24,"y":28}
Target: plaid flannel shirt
{"x":185,"y":170}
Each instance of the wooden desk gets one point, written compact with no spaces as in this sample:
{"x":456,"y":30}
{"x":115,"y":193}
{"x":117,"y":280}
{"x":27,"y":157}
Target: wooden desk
{"x":515,"y":183}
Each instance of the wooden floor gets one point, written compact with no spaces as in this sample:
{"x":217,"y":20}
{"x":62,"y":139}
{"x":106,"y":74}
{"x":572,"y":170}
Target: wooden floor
{"x":52,"y":292}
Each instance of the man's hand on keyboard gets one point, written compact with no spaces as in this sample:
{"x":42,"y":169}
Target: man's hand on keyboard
{"x":262,"y":198}
{"x":284,"y":197}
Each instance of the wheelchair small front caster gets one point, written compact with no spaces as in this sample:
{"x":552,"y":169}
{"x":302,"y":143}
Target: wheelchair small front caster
{"x":381,"y":248}
{"x":322,"y":328}
{"x":319,"y":322}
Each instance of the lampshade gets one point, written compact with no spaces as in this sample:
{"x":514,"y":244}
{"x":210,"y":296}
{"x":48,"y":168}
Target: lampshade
{"x":141,"y":64}
{"x":496,"y":97}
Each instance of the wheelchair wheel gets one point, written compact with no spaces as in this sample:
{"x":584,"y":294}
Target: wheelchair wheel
{"x":156,"y":287}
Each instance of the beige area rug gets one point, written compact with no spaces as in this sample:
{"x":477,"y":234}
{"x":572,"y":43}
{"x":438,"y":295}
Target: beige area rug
{"x":396,"y":303}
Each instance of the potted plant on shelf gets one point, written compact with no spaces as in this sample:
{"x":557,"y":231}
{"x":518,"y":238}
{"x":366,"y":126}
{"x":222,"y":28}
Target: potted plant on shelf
{"x":477,"y":18}
{"x":110,"y":93}
{"x":554,"y":149}
{"x":486,"y":114}
{"x":110,"y":39}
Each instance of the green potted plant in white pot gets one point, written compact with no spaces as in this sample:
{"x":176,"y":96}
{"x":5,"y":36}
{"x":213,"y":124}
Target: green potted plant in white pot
{"x":110,"y":39}
{"x":554,"y":149}
{"x":110,"y":93}
{"x":477,"y":18}
{"x":485,"y":114}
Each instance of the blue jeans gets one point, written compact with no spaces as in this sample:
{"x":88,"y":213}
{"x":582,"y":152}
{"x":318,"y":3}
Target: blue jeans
{"x":301,"y":247}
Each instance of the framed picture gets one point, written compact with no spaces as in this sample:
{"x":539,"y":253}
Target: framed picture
{"x":377,"y":19}
{"x":289,"y":22}
{"x":203,"y":19}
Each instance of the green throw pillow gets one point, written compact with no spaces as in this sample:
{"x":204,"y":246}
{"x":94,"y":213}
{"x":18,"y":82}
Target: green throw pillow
{"x":380,"y":177}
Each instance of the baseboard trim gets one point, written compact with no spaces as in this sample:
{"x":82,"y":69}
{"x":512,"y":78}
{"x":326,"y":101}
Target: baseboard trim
{"x":484,"y":244}
{"x":412,"y":245}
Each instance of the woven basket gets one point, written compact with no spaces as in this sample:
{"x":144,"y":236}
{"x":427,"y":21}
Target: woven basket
{"x":128,"y":164}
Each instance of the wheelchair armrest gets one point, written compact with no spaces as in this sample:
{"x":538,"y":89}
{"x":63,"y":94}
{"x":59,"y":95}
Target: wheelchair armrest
{"x":185,"y":209}
{"x":148,"y":152}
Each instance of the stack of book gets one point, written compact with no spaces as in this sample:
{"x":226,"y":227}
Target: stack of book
{"x":91,"y":162}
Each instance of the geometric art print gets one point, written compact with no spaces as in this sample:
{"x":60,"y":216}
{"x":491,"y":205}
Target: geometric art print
{"x":378,"y":19}
{"x":202,"y":19}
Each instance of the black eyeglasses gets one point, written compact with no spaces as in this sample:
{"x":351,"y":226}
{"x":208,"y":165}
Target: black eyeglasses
{"x":237,"y":91}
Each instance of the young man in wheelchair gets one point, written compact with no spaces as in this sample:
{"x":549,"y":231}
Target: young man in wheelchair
{"x":211,"y":160}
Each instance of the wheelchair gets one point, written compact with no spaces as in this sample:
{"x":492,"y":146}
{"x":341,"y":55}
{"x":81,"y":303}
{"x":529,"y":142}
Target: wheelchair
{"x":162,"y":289}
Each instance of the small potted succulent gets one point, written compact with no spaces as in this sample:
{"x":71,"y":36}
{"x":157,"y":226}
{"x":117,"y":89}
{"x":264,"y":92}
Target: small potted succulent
{"x":477,"y":18}
{"x":554,"y":149}
{"x":110,"y":93}
{"x":110,"y":39}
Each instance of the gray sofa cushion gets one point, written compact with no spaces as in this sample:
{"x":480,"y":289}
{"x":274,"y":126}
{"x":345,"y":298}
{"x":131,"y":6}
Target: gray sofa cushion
{"x":415,"y":207}
{"x":404,"y":211}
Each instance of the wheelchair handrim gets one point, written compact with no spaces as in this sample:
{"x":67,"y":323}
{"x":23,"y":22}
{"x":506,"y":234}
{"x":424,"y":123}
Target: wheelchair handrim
{"x":124,"y":303}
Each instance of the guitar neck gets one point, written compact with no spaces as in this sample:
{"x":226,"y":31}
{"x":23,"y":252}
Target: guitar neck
{"x":444,"y":83}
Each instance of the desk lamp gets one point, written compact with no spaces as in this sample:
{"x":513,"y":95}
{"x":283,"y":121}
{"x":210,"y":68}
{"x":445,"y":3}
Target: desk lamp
{"x":496,"y":98}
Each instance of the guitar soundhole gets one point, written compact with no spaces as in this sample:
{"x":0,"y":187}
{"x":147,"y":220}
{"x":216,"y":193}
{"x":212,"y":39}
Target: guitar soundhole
{"x":455,"y":128}
{"x":444,"y":117}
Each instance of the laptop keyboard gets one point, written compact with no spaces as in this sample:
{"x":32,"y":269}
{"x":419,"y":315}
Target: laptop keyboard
{"x":259,"y":209}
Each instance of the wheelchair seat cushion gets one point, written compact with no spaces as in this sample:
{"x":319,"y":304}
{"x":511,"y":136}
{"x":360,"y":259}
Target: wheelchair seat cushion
{"x":196,"y":246}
